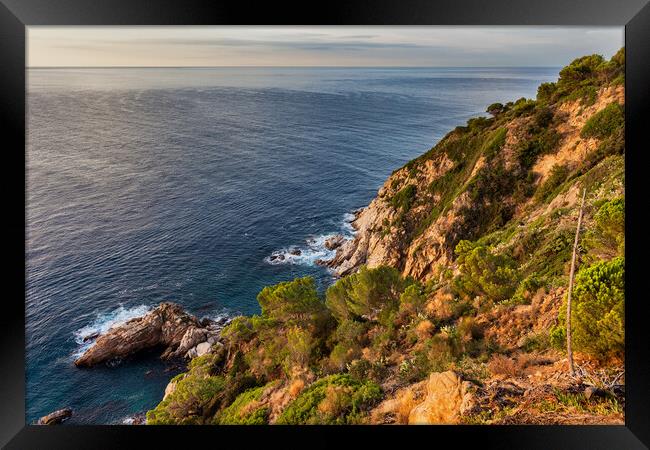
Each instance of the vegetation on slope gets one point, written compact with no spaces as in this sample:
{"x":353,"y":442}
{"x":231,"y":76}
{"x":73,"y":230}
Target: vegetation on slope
{"x":310,"y":358}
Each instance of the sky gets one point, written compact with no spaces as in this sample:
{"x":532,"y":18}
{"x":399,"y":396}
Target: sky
{"x":431,"y":46}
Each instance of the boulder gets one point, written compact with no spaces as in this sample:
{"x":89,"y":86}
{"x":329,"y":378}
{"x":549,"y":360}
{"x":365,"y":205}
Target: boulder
{"x":295,"y":252}
{"x":334,"y":242}
{"x":192,"y":337}
{"x":203,"y":348}
{"x":170,"y":388}
{"x":448,"y":398}
{"x":56,"y":417}
{"x":166,"y":326}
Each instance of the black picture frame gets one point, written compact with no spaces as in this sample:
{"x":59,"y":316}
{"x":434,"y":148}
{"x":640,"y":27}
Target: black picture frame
{"x":15,"y":15}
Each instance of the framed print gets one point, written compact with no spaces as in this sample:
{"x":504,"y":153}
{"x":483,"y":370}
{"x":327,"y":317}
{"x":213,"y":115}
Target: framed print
{"x":232,"y":222}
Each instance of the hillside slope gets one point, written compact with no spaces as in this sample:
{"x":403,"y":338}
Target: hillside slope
{"x":450,"y":305}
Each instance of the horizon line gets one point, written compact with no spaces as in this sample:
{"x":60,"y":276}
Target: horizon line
{"x":285,"y":66}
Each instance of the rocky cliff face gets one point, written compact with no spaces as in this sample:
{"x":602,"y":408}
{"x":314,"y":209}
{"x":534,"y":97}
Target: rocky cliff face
{"x":427,"y":206}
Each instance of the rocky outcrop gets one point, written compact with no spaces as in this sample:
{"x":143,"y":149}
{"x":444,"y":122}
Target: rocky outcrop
{"x":334,"y":242}
{"x":419,"y":239}
{"x":56,"y":417}
{"x":442,"y":399}
{"x":448,"y":398}
{"x":167,"y":326}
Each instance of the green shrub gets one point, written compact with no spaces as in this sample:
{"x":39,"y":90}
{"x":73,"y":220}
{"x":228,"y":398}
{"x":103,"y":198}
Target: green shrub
{"x":244,"y":411}
{"x":295,"y":300}
{"x":412,"y":300}
{"x":539,"y":144}
{"x":522,"y":107}
{"x":557,"y":176}
{"x":336,"y":399}
{"x":362,"y":369}
{"x":526,"y":290}
{"x":478,"y":123}
{"x":239,"y":329}
{"x":436,"y":355}
{"x":190,"y":401}
{"x":484,"y":273}
{"x":598,"y":320}
{"x":607,"y":236}
{"x":545,"y":92}
{"x":404,"y":198}
{"x":300,"y":348}
{"x":581,"y":69}
{"x":366,"y":293}
{"x":495,"y":109}
{"x":494,"y":143}
{"x":604,"y":123}
{"x":536,"y":342}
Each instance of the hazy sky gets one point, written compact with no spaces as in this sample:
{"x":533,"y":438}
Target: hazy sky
{"x":317,"y":46}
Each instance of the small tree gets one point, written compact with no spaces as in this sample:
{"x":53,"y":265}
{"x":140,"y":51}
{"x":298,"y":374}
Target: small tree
{"x":495,"y":109}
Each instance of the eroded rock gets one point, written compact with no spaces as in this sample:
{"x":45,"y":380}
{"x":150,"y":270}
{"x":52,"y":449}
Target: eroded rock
{"x":56,"y":417}
{"x":167,"y":326}
{"x":334,"y":242}
{"x":448,"y":398}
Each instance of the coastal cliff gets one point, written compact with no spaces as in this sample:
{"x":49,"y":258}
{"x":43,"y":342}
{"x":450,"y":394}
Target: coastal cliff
{"x":479,"y":179}
{"x":449,"y":307}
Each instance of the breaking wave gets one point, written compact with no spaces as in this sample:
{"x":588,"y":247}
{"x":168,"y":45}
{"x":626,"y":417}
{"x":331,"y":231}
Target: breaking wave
{"x":85,"y":336}
{"x":314,"y":248}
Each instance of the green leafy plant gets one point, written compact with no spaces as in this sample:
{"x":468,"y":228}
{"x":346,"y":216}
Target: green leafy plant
{"x":599,"y":318}
{"x":336,"y":399}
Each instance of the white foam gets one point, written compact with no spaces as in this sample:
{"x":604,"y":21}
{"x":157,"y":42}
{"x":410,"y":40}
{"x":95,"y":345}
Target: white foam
{"x":314,"y":248}
{"x":104,"y":322}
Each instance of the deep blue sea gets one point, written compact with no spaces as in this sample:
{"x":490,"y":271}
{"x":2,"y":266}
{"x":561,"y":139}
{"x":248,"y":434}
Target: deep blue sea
{"x":147,"y":185}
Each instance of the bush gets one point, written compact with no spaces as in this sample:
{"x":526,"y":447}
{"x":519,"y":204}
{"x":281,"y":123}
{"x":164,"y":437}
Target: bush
{"x":604,"y":123}
{"x":545,"y":92}
{"x":494,"y":143}
{"x":581,"y":69}
{"x":599,"y":305}
{"x":336,"y":399}
{"x":300,"y":348}
{"x":404,"y":198}
{"x":366,"y":293}
{"x":245,"y":409}
{"x":557,"y":176}
{"x":526,"y":290}
{"x":495,"y":109}
{"x":190,"y":401}
{"x":607,"y":237}
{"x":435,"y":355}
{"x":239,"y":329}
{"x":522,"y":107}
{"x":483,"y":273}
{"x":539,"y":144}
{"x":412,"y":300}
{"x":295,"y":300}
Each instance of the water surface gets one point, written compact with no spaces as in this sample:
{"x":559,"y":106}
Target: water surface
{"x":147,"y":185}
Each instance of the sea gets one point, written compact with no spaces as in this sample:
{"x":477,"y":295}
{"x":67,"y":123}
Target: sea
{"x":147,"y":185}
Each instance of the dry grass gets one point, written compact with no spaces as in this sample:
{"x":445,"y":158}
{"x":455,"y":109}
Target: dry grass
{"x":424,"y":329}
{"x":295,"y":387}
{"x":439,"y":306}
{"x":512,"y":366}
{"x":335,"y":402}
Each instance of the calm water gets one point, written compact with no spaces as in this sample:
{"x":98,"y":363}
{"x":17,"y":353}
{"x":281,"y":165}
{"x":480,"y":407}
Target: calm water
{"x":147,"y":185}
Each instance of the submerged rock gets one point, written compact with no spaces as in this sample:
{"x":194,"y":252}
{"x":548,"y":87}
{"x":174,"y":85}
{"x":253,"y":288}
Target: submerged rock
{"x":56,"y":417}
{"x":167,"y":326}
